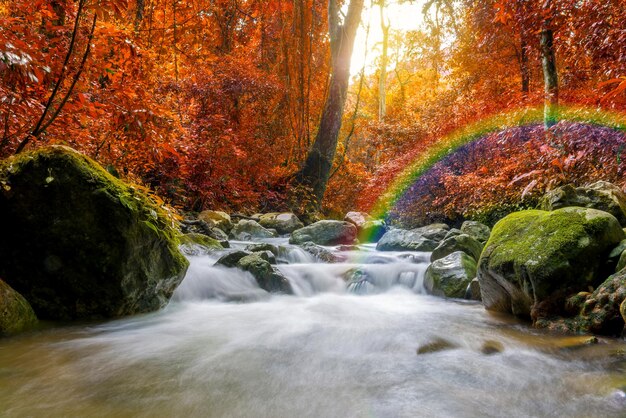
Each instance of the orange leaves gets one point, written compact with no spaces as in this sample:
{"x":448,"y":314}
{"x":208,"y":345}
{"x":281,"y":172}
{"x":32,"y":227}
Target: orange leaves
{"x":618,"y":86}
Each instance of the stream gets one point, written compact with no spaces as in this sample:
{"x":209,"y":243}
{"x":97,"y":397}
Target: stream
{"x":225,"y":348}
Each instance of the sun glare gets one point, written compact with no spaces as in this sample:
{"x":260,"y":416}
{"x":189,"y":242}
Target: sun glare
{"x":402,"y":17}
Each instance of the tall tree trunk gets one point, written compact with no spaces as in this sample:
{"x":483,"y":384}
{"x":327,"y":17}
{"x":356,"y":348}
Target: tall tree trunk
{"x":317,"y":167}
{"x":139,"y":13}
{"x":550,"y":76}
{"x":382,"y":80}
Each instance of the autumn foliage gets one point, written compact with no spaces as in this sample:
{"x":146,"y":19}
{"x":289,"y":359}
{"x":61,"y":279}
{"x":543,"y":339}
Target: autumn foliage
{"x":214,"y":103}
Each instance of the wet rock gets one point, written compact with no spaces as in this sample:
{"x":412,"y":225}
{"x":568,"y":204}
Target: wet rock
{"x":320,"y":253}
{"x":232,"y":258}
{"x":283,"y":223}
{"x":16,"y":314}
{"x":439,"y":344}
{"x":267,"y":256}
{"x":246,"y":230}
{"x":491,"y":347}
{"x":403,"y":240}
{"x":201,"y":227}
{"x":534,"y":259}
{"x":476,"y":230}
{"x":268,"y":277}
{"x":435,"y":232}
{"x":325,"y":233}
{"x":217,"y":219}
{"x":263,"y":246}
{"x":79,"y":243}
{"x":198,"y":244}
{"x":601,"y":195}
{"x":452,"y":233}
{"x":357,"y":282}
{"x":450,"y":276}
{"x":622,"y":310}
{"x":462,"y":242}
{"x":473,"y":290}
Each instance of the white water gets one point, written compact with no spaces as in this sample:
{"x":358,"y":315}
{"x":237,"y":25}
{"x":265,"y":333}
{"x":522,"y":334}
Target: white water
{"x":321,"y":353}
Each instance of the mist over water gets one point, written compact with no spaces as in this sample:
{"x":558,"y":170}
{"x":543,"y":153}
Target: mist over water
{"x":324,"y":352}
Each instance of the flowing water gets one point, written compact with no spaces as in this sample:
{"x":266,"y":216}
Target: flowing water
{"x":225,"y":348}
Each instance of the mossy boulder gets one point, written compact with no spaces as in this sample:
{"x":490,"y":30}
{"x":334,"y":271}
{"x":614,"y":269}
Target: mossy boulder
{"x":450,"y":276}
{"x":78,"y":243}
{"x":600,"y":195}
{"x":534,"y":259}
{"x":268,"y":277}
{"x":325,"y":233}
{"x":455,"y":243}
{"x":16,"y":314}
{"x":283,"y":223}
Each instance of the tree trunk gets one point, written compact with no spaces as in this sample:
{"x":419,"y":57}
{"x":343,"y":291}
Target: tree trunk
{"x":550,"y":76}
{"x":317,"y":167}
{"x":139,"y":12}
{"x":382,"y":80}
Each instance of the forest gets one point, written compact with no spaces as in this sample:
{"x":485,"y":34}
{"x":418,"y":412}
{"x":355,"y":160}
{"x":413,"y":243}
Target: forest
{"x":216,"y":104}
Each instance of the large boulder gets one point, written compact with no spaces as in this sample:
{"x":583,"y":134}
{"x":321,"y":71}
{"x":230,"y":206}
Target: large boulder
{"x":534,"y":259}
{"x":462,"y":242}
{"x":357,"y":219}
{"x":601,"y":195}
{"x":597,"y":312}
{"x":78,"y":243}
{"x":283,"y":223}
{"x":217,"y":219}
{"x":325,"y":233}
{"x":480,"y":232}
{"x":450,"y":276}
{"x":16,"y":314}
{"x":403,"y":240}
{"x":246,"y":230}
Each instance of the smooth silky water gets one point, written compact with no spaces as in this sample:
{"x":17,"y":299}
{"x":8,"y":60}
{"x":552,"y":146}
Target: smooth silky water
{"x":225,"y":348}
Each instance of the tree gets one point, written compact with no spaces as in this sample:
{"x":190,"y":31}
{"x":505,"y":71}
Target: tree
{"x":548,"y":63}
{"x":316,"y":170}
{"x":384,"y":58}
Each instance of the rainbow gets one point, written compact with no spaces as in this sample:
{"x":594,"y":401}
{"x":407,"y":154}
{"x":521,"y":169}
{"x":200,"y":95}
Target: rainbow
{"x":451,"y":143}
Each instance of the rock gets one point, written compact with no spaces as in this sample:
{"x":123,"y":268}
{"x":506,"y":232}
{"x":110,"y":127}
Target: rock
{"x":198,"y":244}
{"x":439,"y":344}
{"x":16,"y":314}
{"x":491,"y":347}
{"x":81,"y":243}
{"x":473,"y":290}
{"x":455,"y":243}
{"x":622,"y":310}
{"x":267,"y":277}
{"x":357,"y":219}
{"x":325,"y":233}
{"x":598,"y":312}
{"x":218,"y":219}
{"x":476,"y":230}
{"x":452,"y":233}
{"x":321,"y":253}
{"x":533,"y":259}
{"x":246,"y":230}
{"x":232,"y":258}
{"x":601,"y":195}
{"x":615,"y":255}
{"x":267,"y":256}
{"x":263,"y":246}
{"x":283,"y":223}
{"x":372,"y":231}
{"x":357,"y":282}
{"x":450,"y":276}
{"x":403,"y":240}
{"x":201,"y":227}
{"x":621,"y":263}
{"x":435,"y":232}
